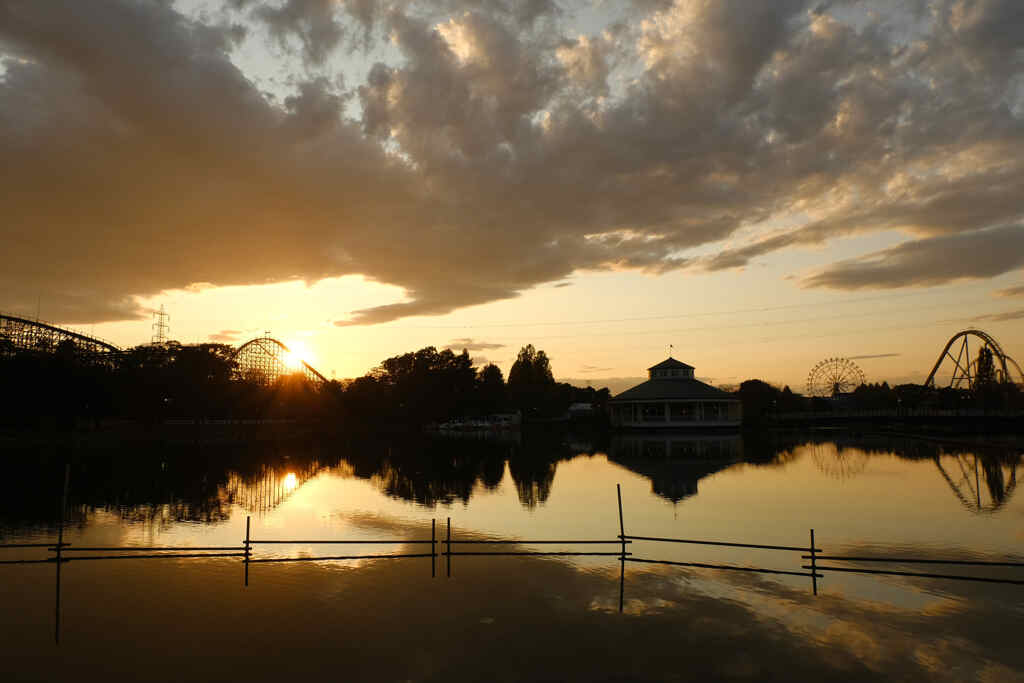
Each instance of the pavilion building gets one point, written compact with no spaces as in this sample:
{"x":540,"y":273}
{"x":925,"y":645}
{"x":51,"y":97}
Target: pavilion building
{"x":673,"y":397}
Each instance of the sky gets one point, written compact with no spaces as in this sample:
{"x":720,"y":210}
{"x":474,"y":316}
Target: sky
{"x":752,"y":187}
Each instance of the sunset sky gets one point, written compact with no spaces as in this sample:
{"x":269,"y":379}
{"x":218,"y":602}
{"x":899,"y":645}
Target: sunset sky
{"x":760,"y":184}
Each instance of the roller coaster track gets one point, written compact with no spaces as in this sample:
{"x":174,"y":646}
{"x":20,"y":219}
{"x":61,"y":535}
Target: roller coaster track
{"x":263,"y":360}
{"x":964,"y":366}
{"x":23,"y":334}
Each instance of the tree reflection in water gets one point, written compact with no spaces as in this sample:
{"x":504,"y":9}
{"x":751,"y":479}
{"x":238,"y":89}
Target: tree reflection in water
{"x":163,"y":484}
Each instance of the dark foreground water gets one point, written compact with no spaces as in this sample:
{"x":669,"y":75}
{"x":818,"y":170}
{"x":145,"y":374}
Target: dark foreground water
{"x":516,"y":618}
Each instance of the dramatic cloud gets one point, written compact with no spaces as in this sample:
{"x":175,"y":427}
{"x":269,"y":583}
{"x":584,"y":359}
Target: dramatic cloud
{"x":473,"y":345}
{"x":932,"y":261}
{"x":1012,"y":291}
{"x":499,"y":145}
{"x":1002,"y":317}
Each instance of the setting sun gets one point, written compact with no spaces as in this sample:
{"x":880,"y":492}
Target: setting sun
{"x":298,"y":353}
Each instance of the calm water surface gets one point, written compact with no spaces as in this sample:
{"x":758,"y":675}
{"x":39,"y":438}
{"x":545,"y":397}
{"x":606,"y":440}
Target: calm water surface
{"x":517,"y":618}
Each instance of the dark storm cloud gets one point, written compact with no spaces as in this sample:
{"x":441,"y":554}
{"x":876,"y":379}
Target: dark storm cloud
{"x":313,"y":22}
{"x":932,"y":261}
{"x":504,"y":149}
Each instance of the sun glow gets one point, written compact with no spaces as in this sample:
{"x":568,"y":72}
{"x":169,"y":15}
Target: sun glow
{"x":298,"y":353}
{"x":289,"y":482}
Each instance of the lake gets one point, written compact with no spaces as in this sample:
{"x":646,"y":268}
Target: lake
{"x":517,"y":617}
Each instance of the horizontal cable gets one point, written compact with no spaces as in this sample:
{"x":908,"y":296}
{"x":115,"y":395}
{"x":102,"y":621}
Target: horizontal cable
{"x":453,"y":541}
{"x":908,"y":560}
{"x":337,"y":557}
{"x":731,"y":545}
{"x":526,"y":552}
{"x":252,"y":542}
{"x":887,"y":572}
{"x":136,"y":548}
{"x":25,"y":561}
{"x":145,"y":557}
{"x":723,"y":566}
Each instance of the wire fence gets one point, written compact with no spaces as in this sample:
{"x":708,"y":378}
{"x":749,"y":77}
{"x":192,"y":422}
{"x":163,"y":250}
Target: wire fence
{"x":810,"y":555}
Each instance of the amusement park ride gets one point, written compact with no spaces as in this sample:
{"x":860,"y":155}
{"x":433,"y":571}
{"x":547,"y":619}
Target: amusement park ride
{"x":262,"y":360}
{"x":835,"y":376}
{"x":265,"y":359}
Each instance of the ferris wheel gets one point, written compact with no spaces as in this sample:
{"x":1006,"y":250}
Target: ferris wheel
{"x":834,"y":376}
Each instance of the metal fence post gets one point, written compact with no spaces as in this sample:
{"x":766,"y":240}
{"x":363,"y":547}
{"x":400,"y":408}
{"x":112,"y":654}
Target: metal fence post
{"x":433,"y":548}
{"x":448,"y":550}
{"x":60,"y":548}
{"x":814,"y":566}
{"x":248,"y":519}
{"x":622,"y":557}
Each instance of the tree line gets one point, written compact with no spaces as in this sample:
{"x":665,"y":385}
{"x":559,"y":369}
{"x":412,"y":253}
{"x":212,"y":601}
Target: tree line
{"x":155,"y":382}
{"x":761,"y":400}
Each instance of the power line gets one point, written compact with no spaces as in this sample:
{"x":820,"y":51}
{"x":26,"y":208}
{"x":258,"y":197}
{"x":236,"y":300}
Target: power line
{"x":770,"y":323}
{"x":761,"y":309}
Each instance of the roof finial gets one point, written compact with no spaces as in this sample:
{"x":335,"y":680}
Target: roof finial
{"x":670,"y":348}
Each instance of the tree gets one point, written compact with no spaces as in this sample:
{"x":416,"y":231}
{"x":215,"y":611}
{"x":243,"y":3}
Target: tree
{"x":985,"y":369}
{"x":532,"y":368}
{"x":758,"y":398}
{"x":490,"y":389}
{"x":427,"y":384}
{"x":531,"y":386}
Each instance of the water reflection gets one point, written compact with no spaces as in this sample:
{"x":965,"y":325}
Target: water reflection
{"x":997,"y":479}
{"x":163,"y":485}
{"x":767,"y":630}
{"x":676,"y":462}
{"x":866,"y":495}
{"x":837,"y":461}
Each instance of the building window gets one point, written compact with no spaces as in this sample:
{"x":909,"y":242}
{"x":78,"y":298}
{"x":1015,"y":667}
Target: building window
{"x":652,"y":412}
{"x":683,"y":412}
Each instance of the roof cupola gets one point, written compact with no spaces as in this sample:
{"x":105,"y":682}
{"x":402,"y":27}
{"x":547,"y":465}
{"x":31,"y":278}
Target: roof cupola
{"x":670,"y":368}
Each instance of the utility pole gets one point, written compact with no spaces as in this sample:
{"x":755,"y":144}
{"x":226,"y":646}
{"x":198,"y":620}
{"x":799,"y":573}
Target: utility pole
{"x":160,"y":326}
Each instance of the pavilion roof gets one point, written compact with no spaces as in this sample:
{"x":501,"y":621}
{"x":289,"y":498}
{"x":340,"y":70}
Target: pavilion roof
{"x":671,"y":363}
{"x":673,"y":389}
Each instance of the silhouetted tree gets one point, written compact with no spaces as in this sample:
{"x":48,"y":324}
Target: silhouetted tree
{"x":985,"y":368}
{"x":759,"y":400}
{"x":490,"y":389}
{"x":531,"y":386}
{"x":428,"y":385}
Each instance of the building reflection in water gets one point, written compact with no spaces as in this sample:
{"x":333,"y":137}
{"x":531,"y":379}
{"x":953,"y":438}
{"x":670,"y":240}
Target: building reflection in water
{"x":676,"y":461}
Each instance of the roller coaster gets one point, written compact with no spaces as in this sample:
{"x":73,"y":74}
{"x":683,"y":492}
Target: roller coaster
{"x":964,"y":371}
{"x":23,"y":334}
{"x":263,"y":360}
